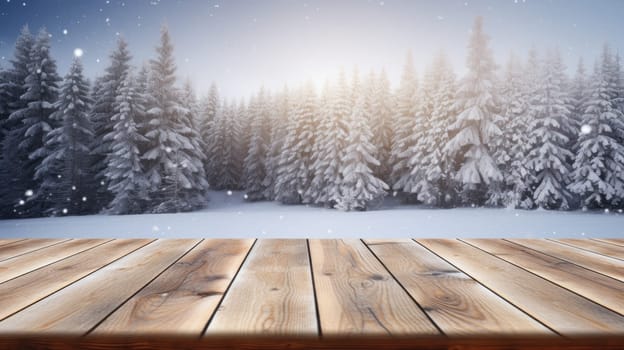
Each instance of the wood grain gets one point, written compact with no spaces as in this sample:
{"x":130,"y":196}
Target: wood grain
{"x":457,"y":304}
{"x":271,"y":295}
{"x":82,"y":305}
{"x":560,"y":309}
{"x":608,"y":266}
{"x":600,"y":288}
{"x":25,"y":290}
{"x":17,"y":248}
{"x":619,"y":242}
{"x":603,"y":248}
{"x":183,"y":298}
{"x":356,"y":295}
{"x":30,"y":261}
{"x":10,"y":241}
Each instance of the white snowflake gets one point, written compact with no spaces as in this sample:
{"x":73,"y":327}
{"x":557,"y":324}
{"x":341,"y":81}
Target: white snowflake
{"x":84,"y":198}
{"x":21,"y":202}
{"x":65,"y":31}
{"x":78,"y":52}
{"x":586,"y":129}
{"x":28,"y":193}
{"x":64,"y":210}
{"x":229,"y":193}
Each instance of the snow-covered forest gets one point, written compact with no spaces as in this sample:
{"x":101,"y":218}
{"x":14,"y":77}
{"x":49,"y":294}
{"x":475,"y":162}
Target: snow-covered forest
{"x":522,"y":134}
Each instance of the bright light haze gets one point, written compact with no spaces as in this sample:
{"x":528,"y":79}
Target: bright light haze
{"x":244,"y":44}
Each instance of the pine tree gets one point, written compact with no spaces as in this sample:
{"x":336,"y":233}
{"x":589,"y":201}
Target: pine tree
{"x":255,"y":164}
{"x":124,"y":171}
{"x":381,"y":122}
{"x":279,"y":118}
{"x":360,"y":188}
{"x":599,"y":162}
{"x":438,"y":185}
{"x":209,"y":108}
{"x":317,"y":190}
{"x":101,"y":115}
{"x":548,"y":158}
{"x":475,"y":126}
{"x":403,"y":123}
{"x":173,"y":167}
{"x":41,"y":93}
{"x":12,"y":173}
{"x":63,"y":171}
{"x":295,"y":174}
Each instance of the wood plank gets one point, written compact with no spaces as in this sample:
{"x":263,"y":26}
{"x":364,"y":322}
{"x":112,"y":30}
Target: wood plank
{"x":183,"y":298}
{"x":357,"y":295}
{"x":596,"y":247}
{"x":597,"y":287}
{"x":31,"y":261}
{"x":614,"y":241}
{"x":455,"y":302}
{"x":558,"y":308}
{"x":11,"y":241}
{"x":25,"y":290}
{"x":81,"y":306}
{"x":608,"y":266}
{"x":271,"y":295}
{"x":14,"y":249}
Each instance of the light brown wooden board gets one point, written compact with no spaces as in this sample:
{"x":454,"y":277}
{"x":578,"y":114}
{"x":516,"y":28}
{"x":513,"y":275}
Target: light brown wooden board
{"x":182,"y":299}
{"x":271,"y":295}
{"x":603,"y":248}
{"x":593,"y":261}
{"x":10,"y":241}
{"x":356,"y":295}
{"x":27,"y":289}
{"x":594,"y":286}
{"x":619,"y":242}
{"x":455,"y":302}
{"x":17,"y":248}
{"x":30,"y":261}
{"x":558,"y":308}
{"x":79,"y":307}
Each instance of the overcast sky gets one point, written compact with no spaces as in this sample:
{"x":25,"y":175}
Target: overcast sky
{"x":243,"y":44}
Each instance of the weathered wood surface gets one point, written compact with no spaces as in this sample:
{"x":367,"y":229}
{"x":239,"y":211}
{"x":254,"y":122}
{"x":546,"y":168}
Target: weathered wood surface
{"x":312,"y":289}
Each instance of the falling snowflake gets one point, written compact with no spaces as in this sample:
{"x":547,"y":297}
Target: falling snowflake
{"x":155,"y":228}
{"x":84,"y":199}
{"x":168,"y":149}
{"x":586,"y":129}
{"x":245,"y":196}
{"x":28,"y":193}
{"x":78,"y":52}
{"x":73,"y":188}
{"x":21,"y":202}
{"x":64,"y":210}
{"x":229,"y":193}
{"x":65,"y":31}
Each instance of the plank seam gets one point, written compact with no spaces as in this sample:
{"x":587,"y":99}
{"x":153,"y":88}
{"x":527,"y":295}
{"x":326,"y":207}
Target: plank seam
{"x":72,"y":282}
{"x":316,"y":308}
{"x":583,"y":248}
{"x":17,"y":240}
{"x":566,"y":260}
{"x":34,"y":250}
{"x":227,"y":289}
{"x":140,"y":289}
{"x":490,"y":289}
{"x":608,"y":242}
{"x":544,"y":278}
{"x":404,"y":289}
{"x":57,"y":261}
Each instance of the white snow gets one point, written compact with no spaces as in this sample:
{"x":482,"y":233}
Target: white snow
{"x":233,"y":217}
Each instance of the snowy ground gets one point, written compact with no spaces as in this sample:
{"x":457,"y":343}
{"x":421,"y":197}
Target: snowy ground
{"x":229,"y":216}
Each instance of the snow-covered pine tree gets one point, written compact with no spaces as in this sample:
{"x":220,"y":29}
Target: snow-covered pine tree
{"x":317,"y":190}
{"x":101,"y":115}
{"x":599,"y":163}
{"x":209,"y":108}
{"x":511,"y":157}
{"x":215,"y":147}
{"x":64,"y":170}
{"x":548,"y":158}
{"x":255,"y":164}
{"x":413,"y":181}
{"x":124,"y":171}
{"x":381,"y":123}
{"x":173,"y":167}
{"x":360,"y":188}
{"x":279,"y":119}
{"x":475,"y":126}
{"x":579,"y":94}
{"x":403,"y":121}
{"x":295,"y":173}
{"x":327,"y":178}
{"x":39,"y":98}
{"x":13,"y":87}
{"x":438,"y":187}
